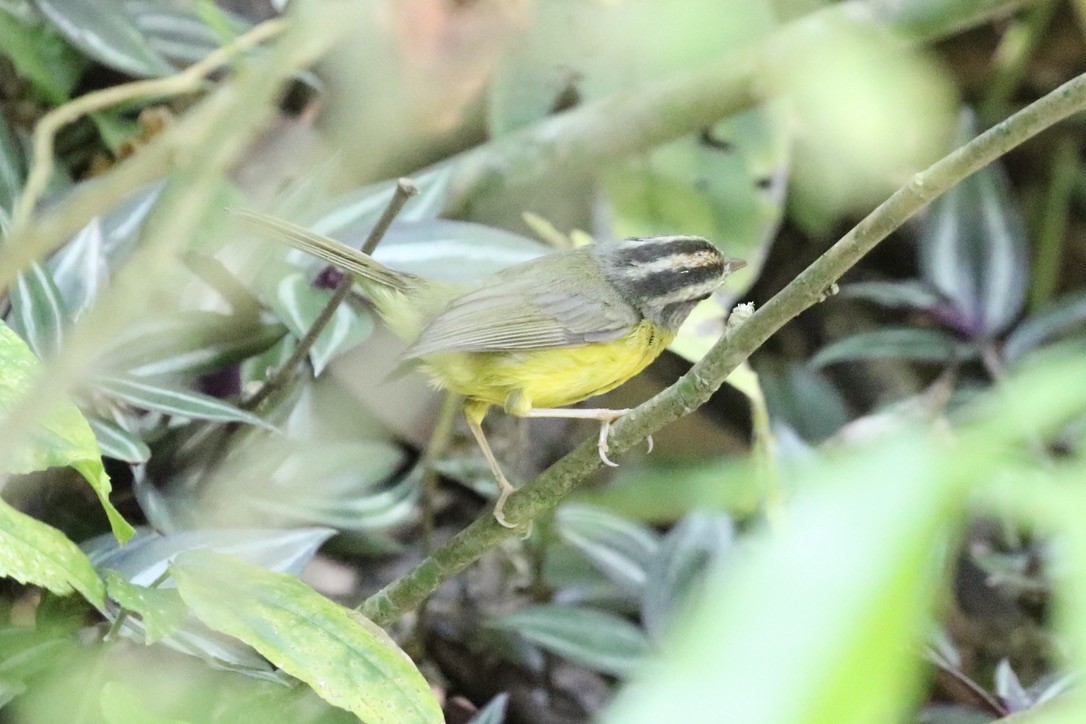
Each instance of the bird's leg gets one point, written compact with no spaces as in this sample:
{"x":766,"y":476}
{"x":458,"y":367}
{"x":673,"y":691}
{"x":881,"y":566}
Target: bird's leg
{"x":603,"y":415}
{"x":475,"y":411}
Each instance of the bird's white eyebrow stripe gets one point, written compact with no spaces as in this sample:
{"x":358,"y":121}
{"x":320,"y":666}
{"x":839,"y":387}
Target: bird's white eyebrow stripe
{"x":682,"y":260}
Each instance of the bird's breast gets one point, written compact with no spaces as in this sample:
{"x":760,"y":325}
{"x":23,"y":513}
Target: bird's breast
{"x":553,"y":377}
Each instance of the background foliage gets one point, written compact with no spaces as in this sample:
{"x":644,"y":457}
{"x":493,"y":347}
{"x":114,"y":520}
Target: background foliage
{"x":878,"y":519}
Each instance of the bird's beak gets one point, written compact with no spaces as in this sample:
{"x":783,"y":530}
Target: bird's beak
{"x":735,"y":264}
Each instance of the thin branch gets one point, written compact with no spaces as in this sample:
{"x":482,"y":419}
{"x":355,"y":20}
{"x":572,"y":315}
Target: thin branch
{"x":405,"y":189}
{"x":187,"y":81}
{"x":705,"y":377}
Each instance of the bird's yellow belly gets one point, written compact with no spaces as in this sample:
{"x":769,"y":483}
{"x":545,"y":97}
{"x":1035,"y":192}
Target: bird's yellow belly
{"x":547,"y":377}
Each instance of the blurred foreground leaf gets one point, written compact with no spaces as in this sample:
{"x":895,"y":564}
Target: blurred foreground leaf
{"x":818,"y":622}
{"x":122,"y":704}
{"x":146,"y":395}
{"x":346,"y":659}
{"x":63,"y":439}
{"x":677,"y":572}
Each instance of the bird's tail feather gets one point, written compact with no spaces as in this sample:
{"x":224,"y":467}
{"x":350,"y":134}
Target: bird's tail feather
{"x":334,"y":252}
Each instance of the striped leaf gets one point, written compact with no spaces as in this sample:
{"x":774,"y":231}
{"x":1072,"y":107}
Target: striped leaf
{"x":597,"y":639}
{"x":37,"y":311}
{"x":11,"y":167}
{"x":118,"y":443}
{"x":156,"y":396}
{"x":973,"y":250}
{"x":903,"y":343}
{"x":105,"y":32}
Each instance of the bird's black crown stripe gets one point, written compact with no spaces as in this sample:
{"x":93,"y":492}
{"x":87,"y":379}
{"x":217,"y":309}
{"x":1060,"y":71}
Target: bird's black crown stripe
{"x":652,"y":252}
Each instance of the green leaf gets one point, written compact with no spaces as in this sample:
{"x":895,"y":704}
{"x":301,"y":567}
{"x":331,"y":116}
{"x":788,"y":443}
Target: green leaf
{"x":1066,"y":315}
{"x":94,"y":472}
{"x":802,"y":398}
{"x":28,"y":652}
{"x":37,"y":311}
{"x":619,"y":548}
{"x":346,"y":659}
{"x":596,"y":639}
{"x":9,"y":690}
{"x":189,"y":343}
{"x":298,"y":303}
{"x":41,"y":55}
{"x":973,"y":249}
{"x":35,"y":553}
{"x":904,"y":343}
{"x":122,"y":705}
{"x":115,"y":128}
{"x":12,"y":164}
{"x":104,"y":30}
{"x":63,"y":439}
{"x":895,"y":295}
{"x":818,"y":621}
{"x":155,"y":396}
{"x":686,"y":557}
{"x":161,"y":610}
{"x":118,"y":443}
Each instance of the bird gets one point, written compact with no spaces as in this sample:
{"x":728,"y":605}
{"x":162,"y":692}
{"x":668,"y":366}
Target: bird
{"x":539,"y":336}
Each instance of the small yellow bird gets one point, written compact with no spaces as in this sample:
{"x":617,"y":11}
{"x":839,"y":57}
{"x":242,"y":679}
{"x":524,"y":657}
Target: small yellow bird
{"x":540,"y":335}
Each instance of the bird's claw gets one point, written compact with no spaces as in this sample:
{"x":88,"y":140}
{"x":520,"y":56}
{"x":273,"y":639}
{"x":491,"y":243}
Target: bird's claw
{"x":602,"y":446}
{"x":649,"y":445}
{"x":505,"y":489}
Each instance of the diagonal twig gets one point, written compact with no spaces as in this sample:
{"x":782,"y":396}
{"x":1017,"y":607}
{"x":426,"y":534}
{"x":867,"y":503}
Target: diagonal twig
{"x":405,"y":189}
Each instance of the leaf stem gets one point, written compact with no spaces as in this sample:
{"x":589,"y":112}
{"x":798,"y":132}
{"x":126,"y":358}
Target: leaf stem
{"x":705,"y":377}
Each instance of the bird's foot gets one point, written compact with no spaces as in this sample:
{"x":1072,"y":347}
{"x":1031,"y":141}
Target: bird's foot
{"x":606,"y":417}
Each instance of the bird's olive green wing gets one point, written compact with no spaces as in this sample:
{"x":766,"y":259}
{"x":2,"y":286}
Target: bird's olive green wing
{"x":542,"y":303}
